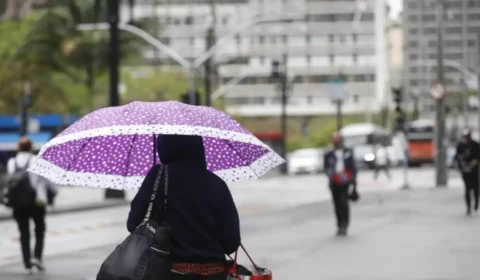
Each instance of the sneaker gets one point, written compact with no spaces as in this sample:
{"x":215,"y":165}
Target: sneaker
{"x":38,"y":264}
{"x":342,"y":232}
{"x":469,"y":212}
{"x":29,"y":271}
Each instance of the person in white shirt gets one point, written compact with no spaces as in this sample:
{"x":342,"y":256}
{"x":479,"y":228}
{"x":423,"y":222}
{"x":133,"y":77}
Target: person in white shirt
{"x":36,"y":212}
{"x":381,"y":161}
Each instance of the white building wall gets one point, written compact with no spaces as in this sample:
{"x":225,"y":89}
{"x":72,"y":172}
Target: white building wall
{"x":310,"y":64}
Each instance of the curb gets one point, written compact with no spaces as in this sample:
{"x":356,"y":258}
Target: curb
{"x":79,"y":208}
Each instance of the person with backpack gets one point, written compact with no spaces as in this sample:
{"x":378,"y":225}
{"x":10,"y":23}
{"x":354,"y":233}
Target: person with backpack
{"x":28,"y":195}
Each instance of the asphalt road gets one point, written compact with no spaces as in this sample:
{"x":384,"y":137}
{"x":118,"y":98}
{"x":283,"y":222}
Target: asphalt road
{"x":406,"y":235}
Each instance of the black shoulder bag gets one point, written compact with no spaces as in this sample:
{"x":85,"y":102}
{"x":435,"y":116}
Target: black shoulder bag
{"x":145,"y":254}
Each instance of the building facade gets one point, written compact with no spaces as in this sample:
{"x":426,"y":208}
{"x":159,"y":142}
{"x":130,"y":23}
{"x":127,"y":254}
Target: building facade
{"x":323,"y":45}
{"x":461,"y":26}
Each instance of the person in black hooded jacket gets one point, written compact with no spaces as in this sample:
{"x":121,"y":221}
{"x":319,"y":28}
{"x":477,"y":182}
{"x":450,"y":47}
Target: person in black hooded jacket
{"x":201,"y":212}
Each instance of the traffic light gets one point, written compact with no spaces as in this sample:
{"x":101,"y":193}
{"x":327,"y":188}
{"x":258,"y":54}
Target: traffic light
{"x":186,"y":98}
{"x":278,"y":68}
{"x":397,"y":98}
{"x":401,"y":118}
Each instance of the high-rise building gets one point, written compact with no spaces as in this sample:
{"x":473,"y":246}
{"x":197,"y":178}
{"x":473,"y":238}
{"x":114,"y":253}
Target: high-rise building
{"x":323,"y":45}
{"x":461,"y":22}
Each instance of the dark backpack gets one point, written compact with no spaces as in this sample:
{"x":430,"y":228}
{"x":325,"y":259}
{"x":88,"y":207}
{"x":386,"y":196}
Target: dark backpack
{"x":20,"y":192}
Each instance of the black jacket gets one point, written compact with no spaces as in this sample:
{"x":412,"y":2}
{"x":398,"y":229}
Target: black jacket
{"x":330,"y":162}
{"x":201,"y":211}
{"x":465,"y":156}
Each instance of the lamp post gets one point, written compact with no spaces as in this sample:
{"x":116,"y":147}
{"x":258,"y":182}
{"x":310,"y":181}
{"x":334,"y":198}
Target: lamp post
{"x":191,"y":68}
{"x":279,"y":72}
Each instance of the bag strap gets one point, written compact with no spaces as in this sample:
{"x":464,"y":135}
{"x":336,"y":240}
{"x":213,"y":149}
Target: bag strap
{"x":18,"y":168}
{"x":250,"y":258}
{"x":163,"y":168}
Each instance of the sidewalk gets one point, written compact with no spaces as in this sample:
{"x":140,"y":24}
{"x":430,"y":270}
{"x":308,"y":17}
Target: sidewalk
{"x":273,"y":192}
{"x":419,"y":234}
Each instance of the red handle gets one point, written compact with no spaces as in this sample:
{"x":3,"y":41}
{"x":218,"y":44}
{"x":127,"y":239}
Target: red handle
{"x":234,"y":267}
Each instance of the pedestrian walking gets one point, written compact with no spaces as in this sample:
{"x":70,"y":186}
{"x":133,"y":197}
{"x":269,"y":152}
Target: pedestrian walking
{"x":28,"y":195}
{"x":341,"y":171}
{"x":381,"y":162}
{"x":201,"y":213}
{"x":467,"y":157}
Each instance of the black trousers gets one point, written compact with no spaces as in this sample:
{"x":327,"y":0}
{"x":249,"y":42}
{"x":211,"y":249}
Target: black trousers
{"x":341,"y":205}
{"x":471,"y":186}
{"x":22,"y":217}
{"x":176,"y":276}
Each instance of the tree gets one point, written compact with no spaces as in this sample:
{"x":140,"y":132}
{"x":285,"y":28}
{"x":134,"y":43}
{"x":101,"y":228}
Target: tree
{"x":56,"y":43}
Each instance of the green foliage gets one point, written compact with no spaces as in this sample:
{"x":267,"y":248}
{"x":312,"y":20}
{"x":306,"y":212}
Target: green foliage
{"x":154,"y":85}
{"x":60,"y":62}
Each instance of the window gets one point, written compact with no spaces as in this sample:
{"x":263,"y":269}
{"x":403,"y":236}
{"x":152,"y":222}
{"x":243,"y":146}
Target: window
{"x":296,"y":41}
{"x":177,"y":43}
{"x":319,"y":79}
{"x":367,"y":17}
{"x":365,"y":38}
{"x":428,"y":17}
{"x":343,"y":60}
{"x":456,"y":56}
{"x":412,"y":17}
{"x":189,"y":20}
{"x":297,"y":61}
{"x":343,"y":39}
{"x":455,"y":43}
{"x":273,"y":39}
{"x":343,"y":17}
{"x":413,"y":44}
{"x":413,"y":31}
{"x":413,"y":57}
{"x":320,"y":61}
{"x":320,"y":17}
{"x":319,"y":39}
{"x":453,"y":30}
{"x":366,"y":60}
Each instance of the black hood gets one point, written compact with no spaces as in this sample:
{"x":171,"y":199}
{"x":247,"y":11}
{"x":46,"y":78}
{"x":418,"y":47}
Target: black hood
{"x":181,"y":148}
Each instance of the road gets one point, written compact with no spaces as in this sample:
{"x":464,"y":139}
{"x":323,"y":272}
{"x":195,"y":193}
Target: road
{"x":418,"y":234}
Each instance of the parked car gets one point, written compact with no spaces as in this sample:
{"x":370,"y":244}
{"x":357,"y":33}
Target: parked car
{"x":305,"y":161}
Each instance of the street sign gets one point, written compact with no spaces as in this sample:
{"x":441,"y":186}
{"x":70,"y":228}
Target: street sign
{"x":437,"y":91}
{"x":338,"y":89}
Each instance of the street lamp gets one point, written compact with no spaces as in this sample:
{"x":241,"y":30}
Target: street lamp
{"x":279,"y":73}
{"x":172,"y":53}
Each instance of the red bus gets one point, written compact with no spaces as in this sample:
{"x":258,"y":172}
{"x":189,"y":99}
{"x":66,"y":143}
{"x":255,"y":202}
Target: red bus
{"x":421,"y":142}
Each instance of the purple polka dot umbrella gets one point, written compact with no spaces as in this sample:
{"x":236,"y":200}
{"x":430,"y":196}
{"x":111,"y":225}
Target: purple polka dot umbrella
{"x":113,"y":147}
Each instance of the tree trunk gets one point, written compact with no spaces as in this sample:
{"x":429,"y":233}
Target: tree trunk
{"x":90,"y":87}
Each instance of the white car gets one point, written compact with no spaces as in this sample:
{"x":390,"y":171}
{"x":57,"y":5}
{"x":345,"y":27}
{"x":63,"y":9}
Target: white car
{"x":305,"y":161}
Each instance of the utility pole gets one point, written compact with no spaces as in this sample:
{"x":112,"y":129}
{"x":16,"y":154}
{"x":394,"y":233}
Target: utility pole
{"x":210,"y":41}
{"x":113,"y":19}
{"x":24,"y":109}
{"x":279,"y":72}
{"x":440,"y":164}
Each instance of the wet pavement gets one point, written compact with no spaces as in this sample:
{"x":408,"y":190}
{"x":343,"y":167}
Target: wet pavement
{"x":405,"y":235}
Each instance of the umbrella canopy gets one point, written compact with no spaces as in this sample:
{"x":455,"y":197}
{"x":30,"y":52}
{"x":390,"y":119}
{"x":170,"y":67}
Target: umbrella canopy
{"x":113,"y":147}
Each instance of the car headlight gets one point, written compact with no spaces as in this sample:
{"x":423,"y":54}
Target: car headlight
{"x":369,"y":157}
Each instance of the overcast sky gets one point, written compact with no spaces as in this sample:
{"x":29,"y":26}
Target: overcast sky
{"x":396,"y":7}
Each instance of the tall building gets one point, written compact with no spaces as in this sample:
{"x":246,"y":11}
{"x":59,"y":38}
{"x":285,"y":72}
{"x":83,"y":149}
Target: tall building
{"x":461,"y":21}
{"x":323,"y":45}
